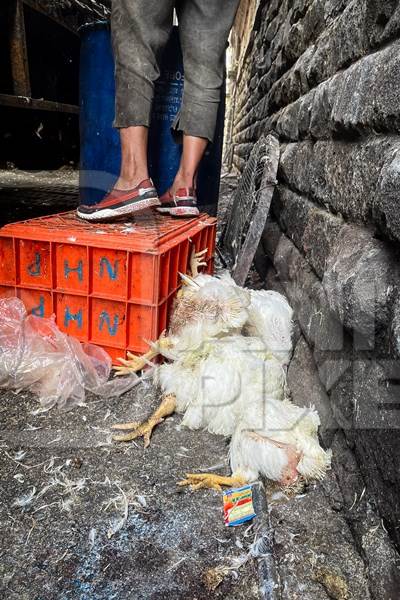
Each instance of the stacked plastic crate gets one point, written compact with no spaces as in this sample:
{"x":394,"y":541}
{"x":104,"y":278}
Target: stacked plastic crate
{"x":111,"y":284}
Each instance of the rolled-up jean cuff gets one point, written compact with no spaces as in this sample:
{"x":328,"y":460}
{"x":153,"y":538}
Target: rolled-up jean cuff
{"x":198,"y":120}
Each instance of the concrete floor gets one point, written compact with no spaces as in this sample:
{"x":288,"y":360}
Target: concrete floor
{"x":171,"y":543}
{"x":61,"y":544}
{"x":29,"y":194}
{"x":84,"y":518}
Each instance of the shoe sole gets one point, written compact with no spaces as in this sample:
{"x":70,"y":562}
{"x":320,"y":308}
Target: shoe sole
{"x":180,"y":211}
{"x":109,"y":214}
{"x":184,"y":211}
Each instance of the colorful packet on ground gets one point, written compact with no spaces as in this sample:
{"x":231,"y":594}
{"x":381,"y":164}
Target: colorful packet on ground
{"x":238,"y":506}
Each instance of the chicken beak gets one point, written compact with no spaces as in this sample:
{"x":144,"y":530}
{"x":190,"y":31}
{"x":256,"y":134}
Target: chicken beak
{"x":187,"y":280}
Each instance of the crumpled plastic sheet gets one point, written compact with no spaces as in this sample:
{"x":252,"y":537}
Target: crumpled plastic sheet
{"x":36,"y":356}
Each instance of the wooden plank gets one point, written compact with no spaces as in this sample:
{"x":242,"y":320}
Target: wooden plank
{"x":37,"y":104}
{"x":18,"y":50}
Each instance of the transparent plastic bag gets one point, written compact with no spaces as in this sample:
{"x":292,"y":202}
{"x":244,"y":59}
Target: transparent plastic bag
{"x":35,"y":355}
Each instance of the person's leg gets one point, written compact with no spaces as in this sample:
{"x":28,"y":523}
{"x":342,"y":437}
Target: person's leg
{"x":140,"y":29}
{"x":180,"y":200}
{"x":134,"y":167}
{"x":204,"y":27}
{"x":192,"y":153}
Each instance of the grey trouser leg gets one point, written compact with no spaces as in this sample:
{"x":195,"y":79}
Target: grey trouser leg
{"x":140,"y":31}
{"x":204,"y":27}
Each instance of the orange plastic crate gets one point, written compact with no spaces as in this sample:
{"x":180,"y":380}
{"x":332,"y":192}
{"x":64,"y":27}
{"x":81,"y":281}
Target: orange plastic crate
{"x":110,"y":284}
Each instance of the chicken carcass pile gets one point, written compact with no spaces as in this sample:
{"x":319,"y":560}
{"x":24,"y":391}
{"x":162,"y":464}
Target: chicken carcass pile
{"x":227,"y":352}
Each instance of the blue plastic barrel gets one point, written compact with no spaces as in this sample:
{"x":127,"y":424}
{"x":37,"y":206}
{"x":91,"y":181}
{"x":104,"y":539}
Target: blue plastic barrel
{"x":100,"y":157}
{"x":100,"y":145}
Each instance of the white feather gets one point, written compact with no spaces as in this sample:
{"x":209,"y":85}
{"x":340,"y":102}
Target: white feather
{"x":270,"y":319}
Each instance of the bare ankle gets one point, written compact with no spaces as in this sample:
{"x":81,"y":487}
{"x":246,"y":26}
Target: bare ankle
{"x":183,"y":180}
{"x":128,"y":181}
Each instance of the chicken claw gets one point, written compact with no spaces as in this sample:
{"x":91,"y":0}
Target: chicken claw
{"x":137,"y":363}
{"x":133,"y":364}
{"x":196,"y":261}
{"x":145,"y":429}
{"x":210,"y":481}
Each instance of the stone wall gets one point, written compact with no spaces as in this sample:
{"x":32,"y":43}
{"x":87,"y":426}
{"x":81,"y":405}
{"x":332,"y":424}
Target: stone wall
{"x":324,"y":75}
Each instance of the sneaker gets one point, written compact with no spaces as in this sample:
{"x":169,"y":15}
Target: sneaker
{"x":181,"y":204}
{"x":121,"y":203}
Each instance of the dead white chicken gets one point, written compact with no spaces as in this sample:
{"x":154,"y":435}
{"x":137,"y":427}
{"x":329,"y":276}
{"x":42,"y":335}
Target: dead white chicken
{"x":206,"y":307}
{"x":228,"y":348}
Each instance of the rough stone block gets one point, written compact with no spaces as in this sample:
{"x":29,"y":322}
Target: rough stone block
{"x":386,"y":207}
{"x":360,"y":281}
{"x":292,"y":84}
{"x":288,"y":124}
{"x":344,"y":176}
{"x":333,"y":8}
{"x":307,"y":389}
{"x":313,"y":230}
{"x":321,"y":111}
{"x":359,"y":509}
{"x":377,"y":453}
{"x":392,"y":27}
{"x":382,"y":18}
{"x":341,"y":44}
{"x":365,"y":405}
{"x":366,"y":95}
{"x":304,"y":116}
{"x":395,"y":329}
{"x":270,"y":238}
{"x":322,"y":330}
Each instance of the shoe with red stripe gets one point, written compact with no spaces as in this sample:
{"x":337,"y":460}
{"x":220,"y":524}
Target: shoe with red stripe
{"x":181,"y":204}
{"x":121,"y":203}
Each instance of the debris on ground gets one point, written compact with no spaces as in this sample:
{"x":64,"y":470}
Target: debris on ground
{"x":128,"y":526}
{"x":238,"y":506}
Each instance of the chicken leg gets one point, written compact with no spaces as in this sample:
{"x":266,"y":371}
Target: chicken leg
{"x":211,"y":481}
{"x":196,"y":261}
{"x":137,"y":363}
{"x":145,"y":429}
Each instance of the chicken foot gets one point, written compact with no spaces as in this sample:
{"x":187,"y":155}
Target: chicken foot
{"x":197,"y":260}
{"x":137,"y":363}
{"x":211,"y":481}
{"x":145,"y":429}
